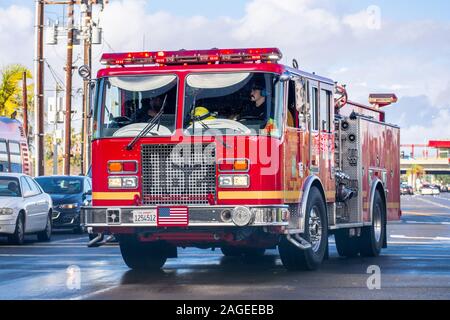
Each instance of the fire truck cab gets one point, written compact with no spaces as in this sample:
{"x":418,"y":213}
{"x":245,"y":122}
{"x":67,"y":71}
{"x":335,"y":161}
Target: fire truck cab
{"x":229,"y":149}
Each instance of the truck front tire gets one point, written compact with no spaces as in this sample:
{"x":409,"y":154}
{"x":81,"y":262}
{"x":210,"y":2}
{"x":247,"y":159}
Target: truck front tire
{"x":143,"y":256}
{"x":316,"y":233}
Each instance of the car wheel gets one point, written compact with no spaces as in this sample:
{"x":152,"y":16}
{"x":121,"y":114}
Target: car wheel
{"x":46,"y":234}
{"x":18,"y":237}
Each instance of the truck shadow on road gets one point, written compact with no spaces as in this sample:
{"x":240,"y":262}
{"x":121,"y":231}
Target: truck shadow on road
{"x":235,"y":270}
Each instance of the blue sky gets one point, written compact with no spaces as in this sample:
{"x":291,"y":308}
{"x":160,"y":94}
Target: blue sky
{"x":392,"y":9}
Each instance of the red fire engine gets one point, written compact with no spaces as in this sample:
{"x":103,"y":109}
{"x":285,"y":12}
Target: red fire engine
{"x":229,"y":149}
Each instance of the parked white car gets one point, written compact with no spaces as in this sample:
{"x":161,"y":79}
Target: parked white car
{"x":24,"y":208}
{"x":428,"y":190}
{"x":436,"y":191}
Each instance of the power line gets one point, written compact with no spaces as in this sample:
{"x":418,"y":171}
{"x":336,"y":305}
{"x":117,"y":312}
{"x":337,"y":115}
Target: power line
{"x":109,"y":46}
{"x":55,"y":75}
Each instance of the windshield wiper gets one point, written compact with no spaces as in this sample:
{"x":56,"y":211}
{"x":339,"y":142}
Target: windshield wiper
{"x":149,"y":127}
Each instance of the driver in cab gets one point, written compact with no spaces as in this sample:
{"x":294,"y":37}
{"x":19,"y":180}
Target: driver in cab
{"x":259,"y":109}
{"x":150,"y":109}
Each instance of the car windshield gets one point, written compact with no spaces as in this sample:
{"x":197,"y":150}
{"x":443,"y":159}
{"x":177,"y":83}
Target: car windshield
{"x":9,"y":187}
{"x":233,"y":104}
{"x":60,"y":185}
{"x":128,"y":104}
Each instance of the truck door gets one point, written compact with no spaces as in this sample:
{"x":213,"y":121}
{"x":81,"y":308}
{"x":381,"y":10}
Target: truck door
{"x":314,"y":126}
{"x":322,"y":138}
{"x":295,"y":148}
{"x":326,"y":144}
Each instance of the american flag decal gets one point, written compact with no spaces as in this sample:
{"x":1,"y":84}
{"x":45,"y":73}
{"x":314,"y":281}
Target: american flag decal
{"x":173,"y":217}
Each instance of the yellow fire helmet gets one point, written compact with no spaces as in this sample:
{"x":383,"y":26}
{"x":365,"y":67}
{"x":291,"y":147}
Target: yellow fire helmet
{"x":201,"y":113}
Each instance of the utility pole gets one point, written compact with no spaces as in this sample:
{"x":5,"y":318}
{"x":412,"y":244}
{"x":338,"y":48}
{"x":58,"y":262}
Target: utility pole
{"x":39,"y":88}
{"x":25,"y":104}
{"x":69,"y":67}
{"x":89,"y":40}
{"x":87,"y":43}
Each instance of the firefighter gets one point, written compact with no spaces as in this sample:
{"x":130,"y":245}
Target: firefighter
{"x":202,"y":114}
{"x":258,"y":111}
{"x":150,"y":109}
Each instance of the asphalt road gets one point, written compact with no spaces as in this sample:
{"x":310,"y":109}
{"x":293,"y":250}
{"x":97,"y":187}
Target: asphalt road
{"x":415,"y":266}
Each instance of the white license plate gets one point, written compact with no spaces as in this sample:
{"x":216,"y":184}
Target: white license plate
{"x":145,"y":217}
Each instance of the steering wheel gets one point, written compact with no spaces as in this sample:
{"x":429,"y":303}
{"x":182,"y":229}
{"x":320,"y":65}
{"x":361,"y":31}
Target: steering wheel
{"x":249,"y":118}
{"x":121,"y":121}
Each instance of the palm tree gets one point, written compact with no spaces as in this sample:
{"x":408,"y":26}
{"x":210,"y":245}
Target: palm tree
{"x":416,"y":171}
{"x":11,"y":90}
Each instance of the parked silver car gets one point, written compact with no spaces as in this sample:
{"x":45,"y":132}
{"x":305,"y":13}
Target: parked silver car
{"x":24,"y":208}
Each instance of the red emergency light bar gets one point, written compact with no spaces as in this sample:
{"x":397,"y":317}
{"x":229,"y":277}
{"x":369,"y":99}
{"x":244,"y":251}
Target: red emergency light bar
{"x":185,"y":57}
{"x":381,"y":100}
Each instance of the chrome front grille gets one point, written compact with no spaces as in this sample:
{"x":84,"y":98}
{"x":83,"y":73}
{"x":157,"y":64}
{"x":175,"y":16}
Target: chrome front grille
{"x":178,"y":174}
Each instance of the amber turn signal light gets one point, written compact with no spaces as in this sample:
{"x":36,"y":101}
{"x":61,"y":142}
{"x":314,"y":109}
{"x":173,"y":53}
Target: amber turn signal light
{"x":115,"y":167}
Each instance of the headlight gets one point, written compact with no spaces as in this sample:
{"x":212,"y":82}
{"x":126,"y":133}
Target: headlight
{"x":6,"y":211}
{"x":129,"y":182}
{"x":69,"y":206}
{"x":122,"y":182}
{"x":115,"y":183}
{"x":234,"y":181}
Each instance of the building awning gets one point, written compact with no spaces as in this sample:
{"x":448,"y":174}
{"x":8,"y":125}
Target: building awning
{"x":439,"y":144}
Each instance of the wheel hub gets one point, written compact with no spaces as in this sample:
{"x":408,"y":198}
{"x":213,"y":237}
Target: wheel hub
{"x":315,"y":229}
{"x":377,"y":224}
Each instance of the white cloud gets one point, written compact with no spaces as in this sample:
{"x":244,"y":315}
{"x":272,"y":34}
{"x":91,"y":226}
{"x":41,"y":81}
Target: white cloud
{"x":438,"y":129}
{"x":16,"y":36}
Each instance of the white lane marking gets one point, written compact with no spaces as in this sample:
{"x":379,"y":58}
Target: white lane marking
{"x":88,"y":295}
{"x":441,"y":243}
{"x":420,"y":238}
{"x":439,"y":256}
{"x":443,"y":198}
{"x":434,"y":203}
{"x":431,"y":223}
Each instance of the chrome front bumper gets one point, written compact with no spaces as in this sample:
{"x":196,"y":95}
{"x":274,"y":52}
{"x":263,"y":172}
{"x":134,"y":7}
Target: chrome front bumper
{"x":199,"y":216}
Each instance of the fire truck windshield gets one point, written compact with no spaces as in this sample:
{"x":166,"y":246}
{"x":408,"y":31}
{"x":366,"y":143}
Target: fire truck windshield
{"x":233,"y":104}
{"x":130,"y":103}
